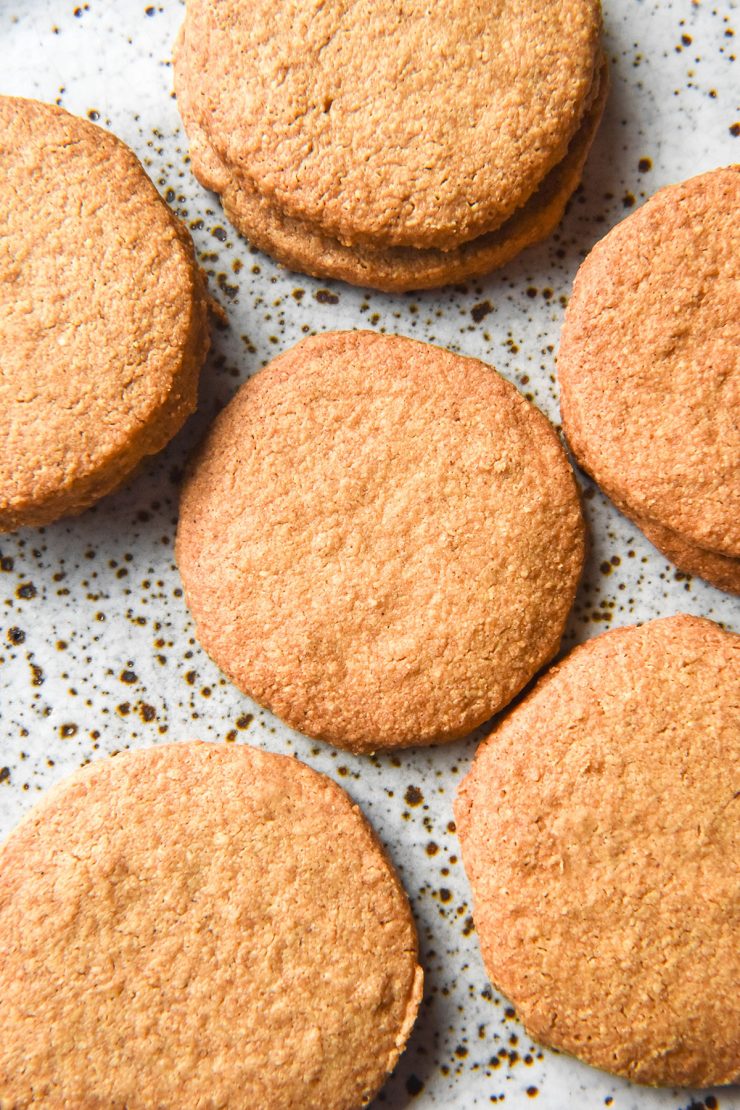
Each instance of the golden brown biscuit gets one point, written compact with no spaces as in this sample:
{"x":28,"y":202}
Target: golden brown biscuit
{"x":380,"y":540}
{"x":301,"y":247}
{"x":335,"y":114}
{"x":720,"y":570}
{"x":103,"y":320}
{"x":201,"y":925}
{"x":649,"y":366}
{"x":598,"y":826}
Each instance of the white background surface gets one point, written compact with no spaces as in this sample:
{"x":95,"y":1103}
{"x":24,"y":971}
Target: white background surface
{"x":96,"y":647}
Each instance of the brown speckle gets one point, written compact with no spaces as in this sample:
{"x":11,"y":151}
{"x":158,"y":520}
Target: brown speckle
{"x":413,"y":796}
{"x":323,"y":296}
{"x":414,"y":1085}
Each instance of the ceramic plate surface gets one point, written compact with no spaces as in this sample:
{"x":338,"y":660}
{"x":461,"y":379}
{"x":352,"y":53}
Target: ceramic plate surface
{"x":97,"y":650}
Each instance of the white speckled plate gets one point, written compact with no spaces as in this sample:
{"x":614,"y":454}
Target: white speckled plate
{"x":97,"y":651}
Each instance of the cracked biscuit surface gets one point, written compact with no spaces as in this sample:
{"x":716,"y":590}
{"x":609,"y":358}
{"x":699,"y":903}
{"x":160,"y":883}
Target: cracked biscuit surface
{"x":103,"y":314}
{"x":200,"y":925}
{"x":380,"y":540}
{"x":598,"y":824}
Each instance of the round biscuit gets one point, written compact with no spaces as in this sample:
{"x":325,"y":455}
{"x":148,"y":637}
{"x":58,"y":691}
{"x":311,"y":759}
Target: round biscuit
{"x":103,"y":314}
{"x":598,"y":824}
{"x":301,"y":247}
{"x":380,"y":540}
{"x":201,"y":925}
{"x":649,"y":363}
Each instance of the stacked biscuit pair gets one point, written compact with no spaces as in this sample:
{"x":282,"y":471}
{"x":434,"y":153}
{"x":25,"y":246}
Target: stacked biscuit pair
{"x":103,"y":315}
{"x":393,"y":146}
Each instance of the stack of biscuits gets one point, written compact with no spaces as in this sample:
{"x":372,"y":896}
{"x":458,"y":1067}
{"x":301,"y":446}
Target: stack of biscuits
{"x":648,"y":368}
{"x":386,"y":145}
{"x":103,"y":315}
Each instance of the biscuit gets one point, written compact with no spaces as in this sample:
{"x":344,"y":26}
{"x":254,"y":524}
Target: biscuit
{"x":598,"y":824}
{"x":103,"y":314}
{"x":380,"y":541}
{"x":720,"y":570}
{"x":334,"y":115}
{"x":649,"y":367}
{"x":300,"y":247}
{"x":201,"y":925}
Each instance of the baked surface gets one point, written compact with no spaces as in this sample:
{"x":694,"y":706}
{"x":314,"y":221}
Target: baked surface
{"x":201,"y":925}
{"x":597,"y":825}
{"x":721,"y":570}
{"x":103,"y":314}
{"x":380,"y":540}
{"x":306,"y":249}
{"x":334,"y":113}
{"x":649,"y":363}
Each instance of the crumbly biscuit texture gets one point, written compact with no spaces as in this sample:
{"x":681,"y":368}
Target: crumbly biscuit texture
{"x":649,"y":362}
{"x":334,"y":113}
{"x":306,"y":249}
{"x":380,"y":540}
{"x":598,"y":824}
{"x":103,"y":314}
{"x":203,"y":926}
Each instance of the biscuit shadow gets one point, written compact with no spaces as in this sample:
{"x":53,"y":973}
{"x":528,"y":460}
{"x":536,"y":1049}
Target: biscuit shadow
{"x":417,"y":1066}
{"x":594,"y":608}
